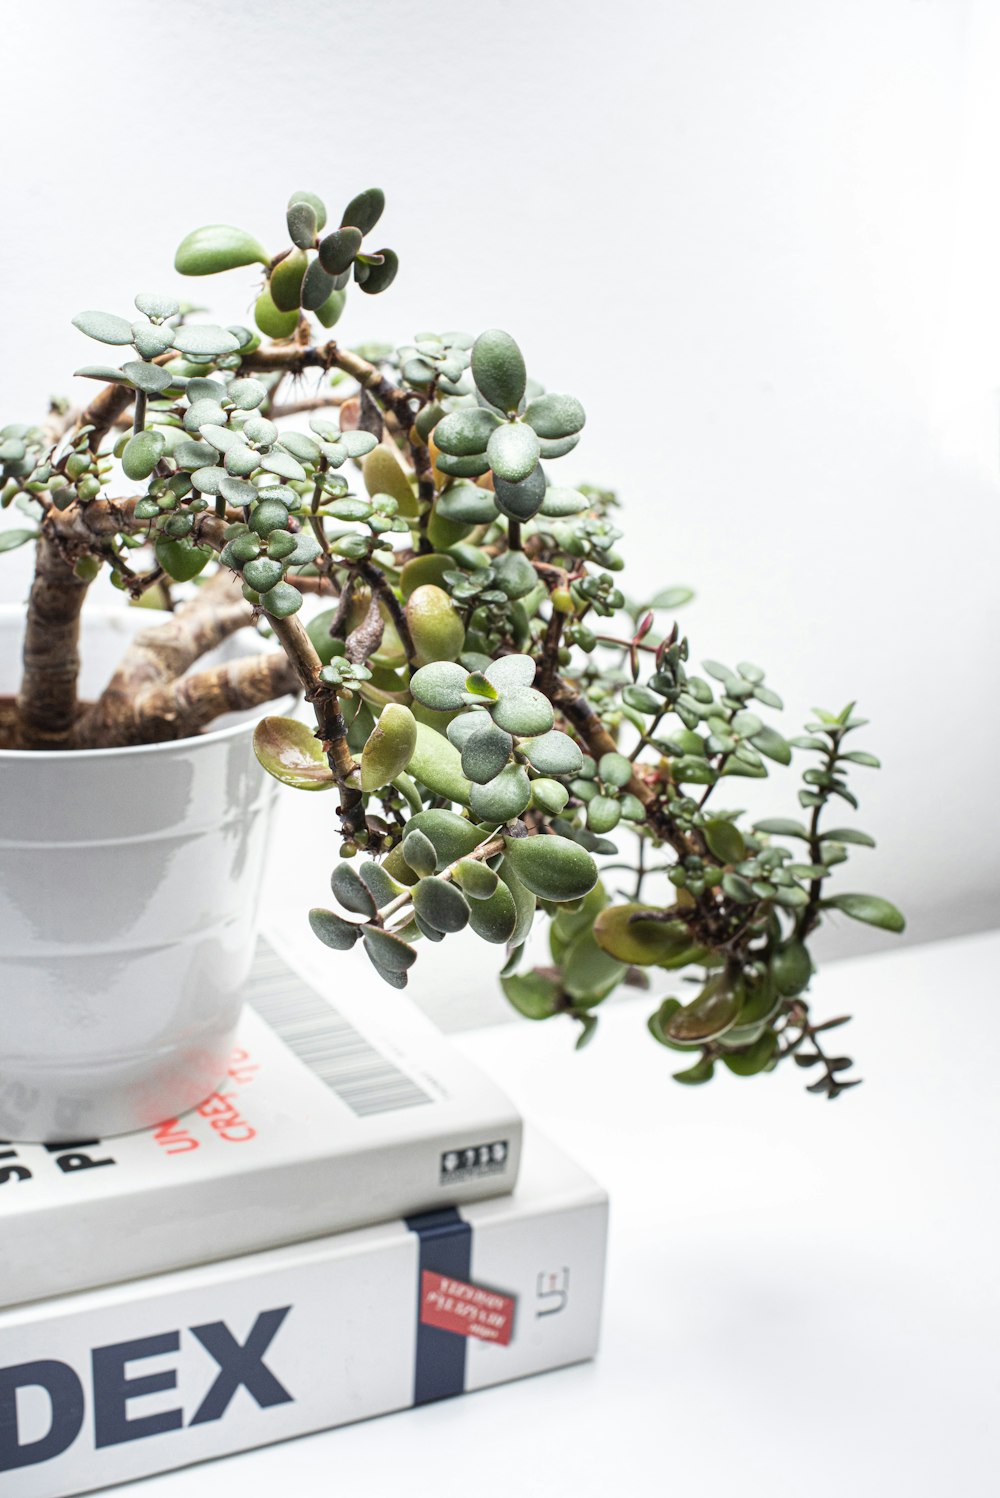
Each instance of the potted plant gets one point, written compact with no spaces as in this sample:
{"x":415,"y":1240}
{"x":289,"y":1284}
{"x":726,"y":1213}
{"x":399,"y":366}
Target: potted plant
{"x":492,"y":714}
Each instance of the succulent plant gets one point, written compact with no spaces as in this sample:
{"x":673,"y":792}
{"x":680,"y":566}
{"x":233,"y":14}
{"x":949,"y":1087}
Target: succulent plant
{"x":504,"y":730}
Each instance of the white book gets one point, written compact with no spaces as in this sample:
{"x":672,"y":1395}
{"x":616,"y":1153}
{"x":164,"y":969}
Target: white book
{"x":338,"y":1111}
{"x":101,"y":1387}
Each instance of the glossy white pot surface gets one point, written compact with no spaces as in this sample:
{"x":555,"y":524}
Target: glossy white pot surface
{"x":129,"y":884}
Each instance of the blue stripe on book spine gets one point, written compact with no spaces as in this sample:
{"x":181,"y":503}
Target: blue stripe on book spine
{"x":445,"y":1248}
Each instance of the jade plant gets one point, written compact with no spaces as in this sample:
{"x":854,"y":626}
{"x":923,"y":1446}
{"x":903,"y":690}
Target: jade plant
{"x":503,"y":730}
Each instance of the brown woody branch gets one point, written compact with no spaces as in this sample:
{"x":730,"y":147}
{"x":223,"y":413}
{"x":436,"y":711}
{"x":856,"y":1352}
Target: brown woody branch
{"x":178,"y":709}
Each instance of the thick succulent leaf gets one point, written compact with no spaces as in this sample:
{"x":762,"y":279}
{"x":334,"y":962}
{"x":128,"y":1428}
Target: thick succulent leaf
{"x":466,"y":504}
{"x":316,"y":204}
{"x":495,"y":917}
{"x":436,"y":627}
{"x":180,"y":558}
{"x":513,"y":452}
{"x":553,"y":868}
{"x":871,"y":909}
{"x":725,"y":840}
{"x":714,"y":1011}
{"x":204,"y":339}
{"x":104,"y":326}
{"x":589,"y":973}
{"x":441,"y":905}
{"x":553,"y":753}
{"x":771,"y":743}
{"x":217,"y":247}
{"x":329,"y":312}
{"x":477,"y":880}
{"x":286,"y":281}
{"x":549,"y":795}
{"x":515,"y":576}
{"x":152,"y":304}
{"x":525,"y":902}
{"x":440,"y":685}
{"x":142,"y":453}
{"x":365,"y":210}
{"x":532,"y":994}
{"x":150,"y":341}
{"x":555,"y":415}
{"x":503,"y":798}
{"x":452,"y":836}
{"x":282,"y":601}
{"x":271,"y":320}
{"x":388,"y":750}
{"x":338,"y":249}
{"x":381,"y":885}
{"x":498,"y":369}
{"x":523,"y":711}
{"x":333,"y":930}
{"x":461,"y":729}
{"x":791,"y":968}
{"x":437,"y":764}
{"x":420,"y":853}
{"x":302,"y":224}
{"x":149,"y":378}
{"x":471,"y":467}
{"x":633,"y":935}
{"x":485,"y":754}
{"x":387,"y":951}
{"x":521,"y":501}
{"x":291,"y":752}
{"x":379,"y":277}
{"x":466,"y":432}
{"x":351,"y":891}
{"x":384,"y":474}
{"x":559,"y":503}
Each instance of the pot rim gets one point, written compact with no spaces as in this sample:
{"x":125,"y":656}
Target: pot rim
{"x":16,"y":611}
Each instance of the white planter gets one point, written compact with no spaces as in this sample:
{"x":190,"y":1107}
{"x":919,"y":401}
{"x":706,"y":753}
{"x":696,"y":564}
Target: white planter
{"x":129,"y":883}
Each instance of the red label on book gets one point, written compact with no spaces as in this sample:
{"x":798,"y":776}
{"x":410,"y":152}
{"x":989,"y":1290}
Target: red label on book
{"x":455,"y":1306}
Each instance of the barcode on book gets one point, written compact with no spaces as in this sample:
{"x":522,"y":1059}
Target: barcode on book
{"x":344,"y":1059}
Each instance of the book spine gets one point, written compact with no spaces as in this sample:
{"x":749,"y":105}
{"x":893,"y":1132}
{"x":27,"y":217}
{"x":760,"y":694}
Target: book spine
{"x":101,"y":1388}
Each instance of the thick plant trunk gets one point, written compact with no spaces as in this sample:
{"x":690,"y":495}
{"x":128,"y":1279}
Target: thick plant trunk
{"x":46,"y":703}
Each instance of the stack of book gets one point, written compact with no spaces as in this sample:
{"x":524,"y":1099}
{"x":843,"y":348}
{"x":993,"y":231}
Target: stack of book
{"x":356,"y":1222}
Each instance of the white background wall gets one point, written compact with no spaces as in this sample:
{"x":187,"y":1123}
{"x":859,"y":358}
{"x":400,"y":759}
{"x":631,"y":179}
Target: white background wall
{"x":758,"y":240}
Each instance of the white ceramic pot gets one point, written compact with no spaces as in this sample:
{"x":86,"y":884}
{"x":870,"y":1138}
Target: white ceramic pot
{"x":129,"y":884}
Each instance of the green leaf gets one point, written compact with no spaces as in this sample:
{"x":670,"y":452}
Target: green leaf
{"x":614,"y":769}
{"x":291,"y":752}
{"x":553,"y":868}
{"x":437,"y":764}
{"x":441,"y":905}
{"x":316,"y":204}
{"x":365,"y":210}
{"x":333,"y":930}
{"x":11,"y":539}
{"x":498,"y":369}
{"x":791,"y":968}
{"x":338,"y":249}
{"x":738,"y":889}
{"x":151,"y":341}
{"x":466,"y":431}
{"x":485,"y":754}
{"x":150,"y":378}
{"x":205,"y":339}
{"x":672,"y":598}
{"x":588,"y":972}
{"x":859,"y":757}
{"x":494,"y":918}
{"x":553,"y":753}
{"x":380,"y":884}
{"x":561,"y":502}
{"x":523,"y":711}
{"x":387,"y":752}
{"x":380,"y":277}
{"x":725,"y":841}
{"x":476,"y":878}
{"x":217,"y":247}
{"x":439,"y":685}
{"x":532,"y":995}
{"x":871,"y":909}
{"x":272,"y":322}
{"x":152,"y":304}
{"x":512,"y":452}
{"x":748,"y":1062}
{"x":714,"y":1011}
{"x":142,"y":453}
{"x":555,"y":415}
{"x":181,"y":559}
{"x":388,"y":951}
{"x":781,"y":827}
{"x":282,"y":601}
{"x":104,"y":326}
{"x":419,"y":852}
{"x":286,"y":279}
{"x":769,"y":742}
{"x":301,"y":222}
{"x":503,"y":798}
{"x":549,"y":795}
{"x":329,"y":312}
{"x":436,"y":628}
{"x":848,"y":835}
{"x":702,"y":1071}
{"x":520,"y":501}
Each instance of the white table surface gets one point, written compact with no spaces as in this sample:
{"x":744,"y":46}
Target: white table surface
{"x":802,"y":1297}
